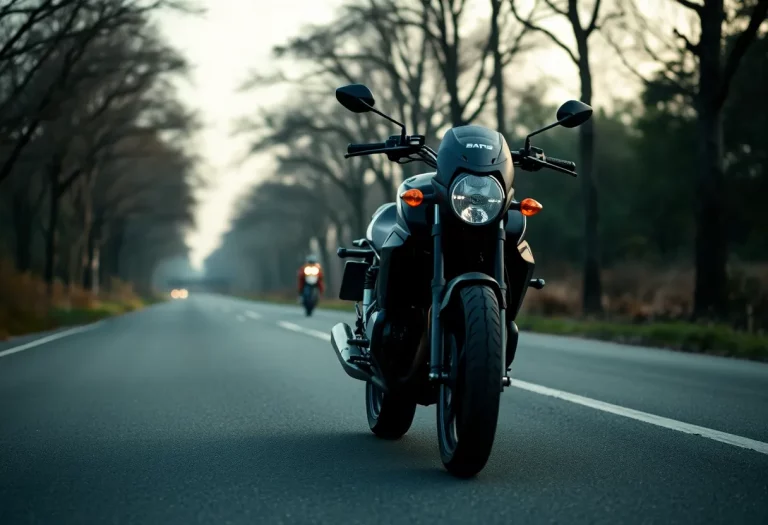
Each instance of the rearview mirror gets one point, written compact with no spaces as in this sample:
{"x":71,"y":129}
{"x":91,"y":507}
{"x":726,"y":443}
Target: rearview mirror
{"x":356,"y":98}
{"x":573,"y":113}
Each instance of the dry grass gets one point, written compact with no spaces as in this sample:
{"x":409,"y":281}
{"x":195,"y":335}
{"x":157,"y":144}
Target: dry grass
{"x":25,"y":306}
{"x":640,"y":294}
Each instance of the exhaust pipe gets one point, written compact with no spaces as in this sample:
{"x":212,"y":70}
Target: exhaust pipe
{"x":340,"y":334}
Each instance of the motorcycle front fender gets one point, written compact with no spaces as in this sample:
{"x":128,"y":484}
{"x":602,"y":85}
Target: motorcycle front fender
{"x":456,"y":284}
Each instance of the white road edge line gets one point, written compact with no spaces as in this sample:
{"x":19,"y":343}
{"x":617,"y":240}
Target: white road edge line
{"x":300,"y":329}
{"x":637,"y":415}
{"x":253,"y":315}
{"x":671,"y":424}
{"x":48,"y":339}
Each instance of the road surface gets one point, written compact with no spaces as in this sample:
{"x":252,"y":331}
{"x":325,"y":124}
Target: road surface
{"x":217,"y":410}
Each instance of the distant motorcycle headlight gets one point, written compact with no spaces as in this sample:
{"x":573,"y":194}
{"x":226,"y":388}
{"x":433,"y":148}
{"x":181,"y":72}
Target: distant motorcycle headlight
{"x":477,"y":200}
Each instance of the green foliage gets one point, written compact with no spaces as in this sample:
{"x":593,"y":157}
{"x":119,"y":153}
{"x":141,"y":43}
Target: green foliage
{"x":687,"y":337}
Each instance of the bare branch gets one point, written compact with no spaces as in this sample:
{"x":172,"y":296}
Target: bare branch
{"x":555,"y":8}
{"x":693,"y":48}
{"x":534,"y":27}
{"x":593,"y":21}
{"x":691,"y":5}
{"x":743,"y":42}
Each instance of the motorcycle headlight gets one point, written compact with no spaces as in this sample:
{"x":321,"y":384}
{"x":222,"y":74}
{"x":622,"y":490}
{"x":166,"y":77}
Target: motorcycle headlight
{"x":477,"y":200}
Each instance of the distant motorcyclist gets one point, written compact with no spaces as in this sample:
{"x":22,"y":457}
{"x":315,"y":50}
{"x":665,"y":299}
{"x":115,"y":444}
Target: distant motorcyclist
{"x":311,"y":282}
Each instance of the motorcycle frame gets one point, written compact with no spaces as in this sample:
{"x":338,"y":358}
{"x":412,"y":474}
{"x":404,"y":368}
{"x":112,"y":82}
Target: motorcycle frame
{"x":442,"y":293}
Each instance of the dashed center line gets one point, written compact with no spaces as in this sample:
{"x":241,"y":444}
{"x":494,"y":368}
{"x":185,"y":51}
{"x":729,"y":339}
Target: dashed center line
{"x":252,"y":314}
{"x":300,"y":329}
{"x":637,"y":415}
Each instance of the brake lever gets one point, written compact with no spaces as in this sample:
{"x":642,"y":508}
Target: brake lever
{"x":544,"y":164}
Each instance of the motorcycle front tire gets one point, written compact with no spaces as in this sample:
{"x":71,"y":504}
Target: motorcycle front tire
{"x":468,"y":407}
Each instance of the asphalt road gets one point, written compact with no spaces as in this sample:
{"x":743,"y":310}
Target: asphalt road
{"x":215,"y":410}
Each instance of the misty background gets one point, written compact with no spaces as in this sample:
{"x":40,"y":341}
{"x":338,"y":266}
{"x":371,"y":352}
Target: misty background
{"x":145,"y":141}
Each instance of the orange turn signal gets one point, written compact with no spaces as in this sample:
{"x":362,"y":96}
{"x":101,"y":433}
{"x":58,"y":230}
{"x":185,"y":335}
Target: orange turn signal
{"x":412,"y":197}
{"x":530,"y":207}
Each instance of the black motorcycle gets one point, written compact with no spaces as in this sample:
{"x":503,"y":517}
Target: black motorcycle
{"x":441,"y":275}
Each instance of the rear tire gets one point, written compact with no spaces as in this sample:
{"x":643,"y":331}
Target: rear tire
{"x":468,"y":407}
{"x":389,"y":416}
{"x":311,"y":298}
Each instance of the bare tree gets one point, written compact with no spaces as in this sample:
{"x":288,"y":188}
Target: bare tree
{"x":592,"y":289}
{"x":703,"y":74}
{"x":84,"y":89}
{"x":42,"y":43}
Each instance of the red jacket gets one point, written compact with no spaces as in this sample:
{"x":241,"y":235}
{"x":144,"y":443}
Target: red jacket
{"x":303,"y":275}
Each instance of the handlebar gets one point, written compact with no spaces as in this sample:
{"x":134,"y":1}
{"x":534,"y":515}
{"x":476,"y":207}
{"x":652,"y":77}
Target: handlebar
{"x":536,"y":160}
{"x":359,"y":148}
{"x":565,"y":164}
{"x":532,"y":159}
{"x":355,"y":253}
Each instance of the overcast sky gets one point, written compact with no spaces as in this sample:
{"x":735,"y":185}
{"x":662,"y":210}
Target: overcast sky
{"x":235,"y":37}
{"x":232,"y":38}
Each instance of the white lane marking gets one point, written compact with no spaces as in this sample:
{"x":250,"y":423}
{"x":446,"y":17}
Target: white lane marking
{"x":671,"y":424}
{"x":252,"y":314}
{"x":300,"y":329}
{"x":48,"y":339}
{"x":659,"y":421}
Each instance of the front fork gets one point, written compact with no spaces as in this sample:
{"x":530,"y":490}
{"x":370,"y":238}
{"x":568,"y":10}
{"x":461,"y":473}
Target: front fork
{"x":436,"y":372}
{"x":437,"y":339}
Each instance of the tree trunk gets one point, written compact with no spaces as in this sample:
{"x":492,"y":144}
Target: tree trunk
{"x":22,"y":226}
{"x":711,"y":294}
{"x":322,"y":241}
{"x":358,"y":214}
{"x":51,"y":238}
{"x":71,"y":272}
{"x":498,"y":69}
{"x":451,"y":73}
{"x":54,"y":174}
{"x":95,"y":271}
{"x":592,"y":288}
{"x":90,"y":260}
{"x":110,"y":261}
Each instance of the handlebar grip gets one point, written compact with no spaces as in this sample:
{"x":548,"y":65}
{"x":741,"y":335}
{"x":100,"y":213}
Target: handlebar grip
{"x":358,"y":148}
{"x":343,"y":253}
{"x":565,"y":164}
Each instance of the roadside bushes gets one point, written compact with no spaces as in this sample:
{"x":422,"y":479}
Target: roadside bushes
{"x":640,"y":294}
{"x":25,"y":306}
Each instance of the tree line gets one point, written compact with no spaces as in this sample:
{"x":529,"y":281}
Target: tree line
{"x":673,"y":176}
{"x":96,"y":180}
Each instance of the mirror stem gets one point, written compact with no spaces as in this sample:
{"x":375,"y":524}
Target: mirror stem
{"x":402,"y":126}
{"x":545,"y":128}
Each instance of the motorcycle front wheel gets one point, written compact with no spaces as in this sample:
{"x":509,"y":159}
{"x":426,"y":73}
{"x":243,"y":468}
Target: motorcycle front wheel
{"x":468,"y":405}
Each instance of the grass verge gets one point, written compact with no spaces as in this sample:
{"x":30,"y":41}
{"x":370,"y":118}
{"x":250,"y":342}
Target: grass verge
{"x":26,"y":306}
{"x":686,"y":337}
